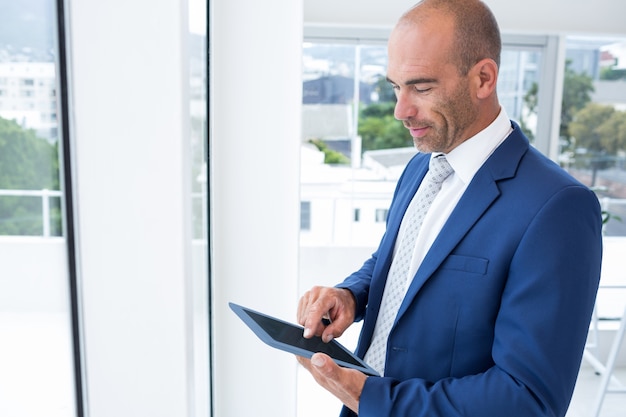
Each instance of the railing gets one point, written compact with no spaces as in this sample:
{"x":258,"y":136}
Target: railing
{"x":199,"y":210}
{"x":615,"y":206}
{"x":45,"y":196}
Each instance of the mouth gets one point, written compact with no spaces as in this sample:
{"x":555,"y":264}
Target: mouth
{"x":418,"y":132}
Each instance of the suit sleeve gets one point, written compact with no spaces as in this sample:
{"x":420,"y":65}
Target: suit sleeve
{"x":540,"y":329}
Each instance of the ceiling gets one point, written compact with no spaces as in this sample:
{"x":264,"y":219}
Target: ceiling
{"x":597,"y":17}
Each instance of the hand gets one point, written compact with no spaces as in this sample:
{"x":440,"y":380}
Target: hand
{"x":345,"y":384}
{"x":336,"y":304}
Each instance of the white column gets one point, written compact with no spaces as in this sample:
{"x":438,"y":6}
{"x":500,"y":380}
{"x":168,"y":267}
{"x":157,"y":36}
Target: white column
{"x":254,"y":146}
{"x":129,"y":82}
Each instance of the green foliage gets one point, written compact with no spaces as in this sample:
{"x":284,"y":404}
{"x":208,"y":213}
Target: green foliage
{"x":330,"y":156}
{"x":612,"y":74}
{"x":531,"y":100}
{"x":27,"y":162}
{"x":380,"y":109}
{"x":385,"y":91}
{"x":613,"y":132}
{"x":577,"y":89}
{"x":379,"y":129}
{"x":586,"y":127}
{"x":607,"y":215}
{"x":600,"y":128}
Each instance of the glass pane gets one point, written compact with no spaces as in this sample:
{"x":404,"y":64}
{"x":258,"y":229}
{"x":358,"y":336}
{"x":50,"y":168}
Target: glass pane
{"x":198,"y":110}
{"x":518,"y":84}
{"x":593,"y":122}
{"x":342,"y":191}
{"x":36,"y":362}
{"x":348,"y":126}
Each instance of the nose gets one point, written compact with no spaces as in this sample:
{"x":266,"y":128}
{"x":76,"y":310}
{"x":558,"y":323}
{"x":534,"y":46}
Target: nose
{"x":404,"y":109}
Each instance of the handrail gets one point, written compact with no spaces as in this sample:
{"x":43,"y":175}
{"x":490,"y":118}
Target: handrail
{"x":45,"y":196}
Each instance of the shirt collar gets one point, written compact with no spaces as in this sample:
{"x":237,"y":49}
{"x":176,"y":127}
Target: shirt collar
{"x":467,"y":158}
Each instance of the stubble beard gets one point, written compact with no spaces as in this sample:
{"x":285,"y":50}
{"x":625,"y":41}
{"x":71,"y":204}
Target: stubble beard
{"x":456,"y":115}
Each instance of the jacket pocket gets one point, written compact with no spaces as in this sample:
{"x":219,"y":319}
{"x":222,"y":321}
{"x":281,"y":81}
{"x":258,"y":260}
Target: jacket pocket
{"x":466,"y":264}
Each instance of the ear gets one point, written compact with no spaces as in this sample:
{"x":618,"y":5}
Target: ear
{"x":485,"y":76}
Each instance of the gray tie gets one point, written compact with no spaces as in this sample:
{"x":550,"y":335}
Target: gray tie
{"x":397,"y":279}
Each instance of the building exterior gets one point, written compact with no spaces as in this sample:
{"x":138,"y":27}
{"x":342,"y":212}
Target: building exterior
{"x":28,"y":96}
{"x":347,"y":206}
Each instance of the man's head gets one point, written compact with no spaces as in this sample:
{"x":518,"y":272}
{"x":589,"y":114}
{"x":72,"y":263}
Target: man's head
{"x":443,"y":65}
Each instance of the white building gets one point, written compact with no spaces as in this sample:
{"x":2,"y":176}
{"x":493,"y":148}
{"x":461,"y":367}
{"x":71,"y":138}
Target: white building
{"x":28,"y":96}
{"x":346,"y":206}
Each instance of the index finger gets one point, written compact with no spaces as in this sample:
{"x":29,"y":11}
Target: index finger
{"x":314,"y":318}
{"x":314,"y":305}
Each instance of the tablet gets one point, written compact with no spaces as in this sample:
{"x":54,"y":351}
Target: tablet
{"x":288,"y":337}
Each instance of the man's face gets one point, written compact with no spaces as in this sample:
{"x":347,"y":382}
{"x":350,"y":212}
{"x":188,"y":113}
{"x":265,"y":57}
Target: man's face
{"x":434,"y":100}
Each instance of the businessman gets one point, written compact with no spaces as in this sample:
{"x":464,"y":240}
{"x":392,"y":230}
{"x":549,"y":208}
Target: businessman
{"x":478,"y":299}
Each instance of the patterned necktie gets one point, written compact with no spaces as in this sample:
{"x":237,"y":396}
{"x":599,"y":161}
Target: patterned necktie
{"x":397,"y":279}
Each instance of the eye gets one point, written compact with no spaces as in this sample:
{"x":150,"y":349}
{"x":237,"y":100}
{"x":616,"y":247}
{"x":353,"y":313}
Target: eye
{"x":422,"y":90}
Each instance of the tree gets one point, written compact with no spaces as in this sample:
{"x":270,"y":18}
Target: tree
{"x":612,"y":74}
{"x":531,"y":101}
{"x":613,"y":133}
{"x":27,"y":162}
{"x":601,"y":131}
{"x":577,"y":89}
{"x":384,"y":90}
{"x":379,"y":129}
{"x":586,"y":127}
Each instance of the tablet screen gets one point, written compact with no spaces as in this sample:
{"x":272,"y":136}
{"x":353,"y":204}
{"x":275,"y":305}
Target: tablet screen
{"x":292,"y":335}
{"x":289,"y":337}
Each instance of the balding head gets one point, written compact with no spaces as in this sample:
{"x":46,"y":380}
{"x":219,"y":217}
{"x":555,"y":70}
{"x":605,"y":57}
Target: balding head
{"x":476,"y":32}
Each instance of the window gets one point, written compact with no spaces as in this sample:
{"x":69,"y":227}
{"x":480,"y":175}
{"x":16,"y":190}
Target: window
{"x":305,"y":215}
{"x":519,"y":71}
{"x":36,"y":323}
{"x":381,"y":215}
{"x":592,"y":143}
{"x":357,"y":215}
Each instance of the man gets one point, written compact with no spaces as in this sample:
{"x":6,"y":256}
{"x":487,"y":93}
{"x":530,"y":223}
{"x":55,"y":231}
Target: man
{"x":503,"y":275}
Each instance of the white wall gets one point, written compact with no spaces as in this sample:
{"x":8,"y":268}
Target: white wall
{"x":255,"y":129}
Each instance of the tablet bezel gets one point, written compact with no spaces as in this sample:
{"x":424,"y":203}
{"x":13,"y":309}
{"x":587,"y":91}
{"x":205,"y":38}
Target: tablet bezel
{"x":243,"y":313}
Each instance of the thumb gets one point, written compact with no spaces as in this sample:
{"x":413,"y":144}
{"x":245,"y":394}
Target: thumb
{"x":323,"y":363}
{"x":318,"y":360}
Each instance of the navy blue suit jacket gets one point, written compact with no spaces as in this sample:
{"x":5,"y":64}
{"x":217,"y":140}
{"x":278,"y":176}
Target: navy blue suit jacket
{"x":496,"y":317}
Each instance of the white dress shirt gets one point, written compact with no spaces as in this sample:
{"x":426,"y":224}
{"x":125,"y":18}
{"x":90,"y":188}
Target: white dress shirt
{"x":466,"y":159}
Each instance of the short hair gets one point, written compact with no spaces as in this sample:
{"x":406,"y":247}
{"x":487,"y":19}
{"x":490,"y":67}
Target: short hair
{"x":477,"y":35}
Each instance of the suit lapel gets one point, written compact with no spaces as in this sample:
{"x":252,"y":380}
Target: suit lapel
{"x":480,"y":194}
